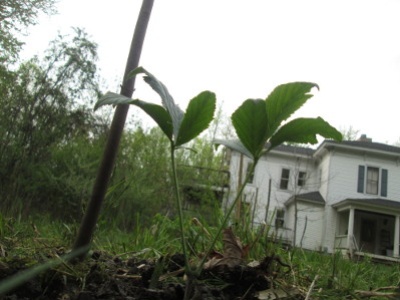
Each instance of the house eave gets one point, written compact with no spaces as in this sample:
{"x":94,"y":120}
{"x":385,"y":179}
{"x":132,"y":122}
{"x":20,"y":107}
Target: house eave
{"x":373,"y":205}
{"x":288,"y":154}
{"x":328,"y":145}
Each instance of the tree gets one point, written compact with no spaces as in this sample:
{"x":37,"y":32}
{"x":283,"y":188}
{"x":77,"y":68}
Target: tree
{"x":15,"y":15}
{"x":397,"y":143}
{"x":43,"y":107}
{"x":349,"y":133}
{"x":140,"y":182}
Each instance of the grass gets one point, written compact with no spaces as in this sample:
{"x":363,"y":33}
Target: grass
{"x":334,"y":276}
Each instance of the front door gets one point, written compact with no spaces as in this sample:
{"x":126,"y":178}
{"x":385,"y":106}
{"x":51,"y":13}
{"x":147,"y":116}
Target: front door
{"x":368,"y":235}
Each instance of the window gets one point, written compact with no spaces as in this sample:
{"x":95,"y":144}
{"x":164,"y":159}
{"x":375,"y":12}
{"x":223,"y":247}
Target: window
{"x":284,"y":179}
{"x":251,"y":177}
{"x":301,"y":179}
{"x":372,"y":180}
{"x":280,"y":218}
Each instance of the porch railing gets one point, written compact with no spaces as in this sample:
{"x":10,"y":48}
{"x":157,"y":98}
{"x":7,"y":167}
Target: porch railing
{"x":347,"y":242}
{"x":341,"y":241}
{"x":355,"y":245}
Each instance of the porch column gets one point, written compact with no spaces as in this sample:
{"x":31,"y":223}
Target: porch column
{"x":396,"y":241}
{"x":350,"y":231}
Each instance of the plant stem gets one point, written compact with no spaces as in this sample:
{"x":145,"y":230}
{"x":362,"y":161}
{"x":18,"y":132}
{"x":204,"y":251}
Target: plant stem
{"x":188,"y":270}
{"x":179,"y":205}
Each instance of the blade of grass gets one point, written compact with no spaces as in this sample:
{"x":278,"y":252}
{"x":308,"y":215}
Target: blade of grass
{"x":20,"y":278}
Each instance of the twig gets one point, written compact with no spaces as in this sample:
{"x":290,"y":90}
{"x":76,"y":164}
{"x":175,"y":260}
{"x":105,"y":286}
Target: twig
{"x":172,"y":274}
{"x":196,"y":222}
{"x":311,"y":287}
{"x":246,"y":293}
{"x":377,"y":293}
{"x":128,"y":276}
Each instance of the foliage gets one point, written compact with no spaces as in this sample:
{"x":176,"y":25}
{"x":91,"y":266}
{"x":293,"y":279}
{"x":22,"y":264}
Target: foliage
{"x":348,"y":277}
{"x":44,"y":112}
{"x":179,"y":127}
{"x":258,"y":123}
{"x":349,"y":133}
{"x":51,"y":166}
{"x":14,"y":16}
{"x":141,"y":182}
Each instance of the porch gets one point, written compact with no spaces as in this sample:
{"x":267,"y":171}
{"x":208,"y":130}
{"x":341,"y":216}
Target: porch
{"x":368,"y":227}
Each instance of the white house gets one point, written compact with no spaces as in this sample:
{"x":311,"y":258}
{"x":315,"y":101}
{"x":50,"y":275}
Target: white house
{"x":347,"y":195}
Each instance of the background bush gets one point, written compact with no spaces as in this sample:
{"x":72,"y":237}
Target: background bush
{"x":52,"y":142}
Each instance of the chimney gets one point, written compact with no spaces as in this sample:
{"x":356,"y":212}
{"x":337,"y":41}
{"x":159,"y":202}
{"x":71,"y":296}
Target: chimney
{"x":364,"y":138}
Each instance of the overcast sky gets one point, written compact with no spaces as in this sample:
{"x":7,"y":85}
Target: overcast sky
{"x":243,"y":49}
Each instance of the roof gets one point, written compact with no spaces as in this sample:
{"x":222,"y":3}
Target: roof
{"x":312,"y":197}
{"x":367,"y":145}
{"x":294,"y":150}
{"x":371,"y":202}
{"x":378,"y":148}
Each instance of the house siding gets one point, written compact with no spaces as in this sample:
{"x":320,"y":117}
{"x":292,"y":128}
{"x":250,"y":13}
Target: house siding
{"x":313,"y":234}
{"x":310,"y":220}
{"x":270,"y":168}
{"x":343,"y":173}
{"x":330,"y":229}
{"x":324,"y":175}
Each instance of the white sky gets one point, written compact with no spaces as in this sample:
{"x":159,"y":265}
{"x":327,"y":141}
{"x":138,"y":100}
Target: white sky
{"x":243,"y":49}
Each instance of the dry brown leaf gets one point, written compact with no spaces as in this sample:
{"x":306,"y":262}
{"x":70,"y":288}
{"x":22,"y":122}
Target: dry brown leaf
{"x":233,"y":253}
{"x":232,"y":246}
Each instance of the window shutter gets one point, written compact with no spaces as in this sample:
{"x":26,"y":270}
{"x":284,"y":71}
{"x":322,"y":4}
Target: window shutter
{"x":384,"y":182}
{"x":361,"y":174}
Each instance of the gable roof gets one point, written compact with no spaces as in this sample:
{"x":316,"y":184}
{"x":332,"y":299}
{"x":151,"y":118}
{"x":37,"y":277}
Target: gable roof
{"x":312,"y":197}
{"x":294,"y":150}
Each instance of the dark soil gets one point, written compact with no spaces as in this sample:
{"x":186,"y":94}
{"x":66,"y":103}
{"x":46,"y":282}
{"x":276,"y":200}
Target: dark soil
{"x":105,"y":277}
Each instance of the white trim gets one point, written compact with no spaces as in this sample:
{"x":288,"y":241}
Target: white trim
{"x":396,"y":236}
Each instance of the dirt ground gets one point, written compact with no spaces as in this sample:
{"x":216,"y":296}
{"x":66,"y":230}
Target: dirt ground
{"x":105,"y":277}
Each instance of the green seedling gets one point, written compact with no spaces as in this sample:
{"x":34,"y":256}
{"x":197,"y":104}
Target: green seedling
{"x":258,"y":124}
{"x":180,"y":127}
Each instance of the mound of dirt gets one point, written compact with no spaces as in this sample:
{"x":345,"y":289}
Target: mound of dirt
{"x":105,"y":277}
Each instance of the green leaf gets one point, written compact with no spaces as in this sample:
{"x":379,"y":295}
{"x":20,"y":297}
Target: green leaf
{"x":168,"y":102}
{"x":284,"y":100}
{"x":136,"y":71}
{"x":112,"y":99}
{"x":250,"y":122}
{"x":18,"y":279}
{"x":158,"y":114}
{"x":234,"y":145}
{"x":304,"y":130}
{"x":197,"y":118}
